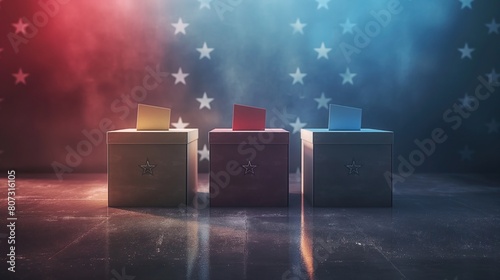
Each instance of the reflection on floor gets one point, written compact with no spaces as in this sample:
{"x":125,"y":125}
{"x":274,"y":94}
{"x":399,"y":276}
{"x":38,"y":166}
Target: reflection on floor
{"x":441,"y":227}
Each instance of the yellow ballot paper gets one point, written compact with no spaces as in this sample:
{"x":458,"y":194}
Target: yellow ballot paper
{"x":152,"y":117}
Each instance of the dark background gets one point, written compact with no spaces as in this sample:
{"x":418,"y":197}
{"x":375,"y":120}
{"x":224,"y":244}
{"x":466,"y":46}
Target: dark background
{"x":87,"y":54}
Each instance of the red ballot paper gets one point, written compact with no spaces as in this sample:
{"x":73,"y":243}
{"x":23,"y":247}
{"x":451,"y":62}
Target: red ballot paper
{"x":248,"y":118}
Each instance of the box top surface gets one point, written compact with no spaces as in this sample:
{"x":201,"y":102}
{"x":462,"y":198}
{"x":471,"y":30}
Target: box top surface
{"x":347,"y":131}
{"x":230,"y":136}
{"x":363,"y":136}
{"x":134,"y":136}
{"x":277,"y":130}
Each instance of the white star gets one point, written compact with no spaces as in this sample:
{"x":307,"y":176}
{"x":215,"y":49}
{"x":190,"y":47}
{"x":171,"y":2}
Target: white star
{"x":466,"y":153}
{"x":492,"y":126}
{"x":180,"y":77}
{"x":297,"y":76}
{"x":205,"y":51}
{"x":322,"y":101}
{"x":493,"y":27}
{"x":179,"y":124}
{"x":347,"y":76}
{"x":298,"y":27}
{"x":466,"y":3}
{"x":465,"y":102}
{"x":20,"y":76}
{"x":205,"y":101}
{"x":322,"y":4}
{"x":466,"y":51}
{"x":180,"y":27}
{"x":205,"y":4}
{"x":347,"y":27}
{"x":204,"y":153}
{"x":322,"y":51}
{"x":297,"y":125}
{"x":493,"y":77}
{"x":20,"y":26}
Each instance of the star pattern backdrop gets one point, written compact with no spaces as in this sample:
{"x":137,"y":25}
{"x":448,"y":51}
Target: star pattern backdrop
{"x":70,"y":70}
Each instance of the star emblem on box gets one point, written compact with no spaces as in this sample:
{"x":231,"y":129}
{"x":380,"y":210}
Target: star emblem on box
{"x":249,"y":168}
{"x":147,"y":169}
{"x":353,"y":168}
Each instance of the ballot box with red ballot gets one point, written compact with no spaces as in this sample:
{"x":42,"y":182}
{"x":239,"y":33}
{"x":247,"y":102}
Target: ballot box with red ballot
{"x":249,"y":163}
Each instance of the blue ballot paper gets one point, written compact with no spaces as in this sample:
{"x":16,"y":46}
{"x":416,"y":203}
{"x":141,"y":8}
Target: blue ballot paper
{"x":344,"y":118}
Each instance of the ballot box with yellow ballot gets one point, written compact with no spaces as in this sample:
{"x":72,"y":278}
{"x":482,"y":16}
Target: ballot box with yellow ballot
{"x":152,"y":165}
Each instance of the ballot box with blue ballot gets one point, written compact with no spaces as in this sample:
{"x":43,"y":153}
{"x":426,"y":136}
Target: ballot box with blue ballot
{"x":345,"y":165}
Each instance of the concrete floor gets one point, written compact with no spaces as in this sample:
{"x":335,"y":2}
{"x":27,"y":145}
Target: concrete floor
{"x":441,"y":227}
